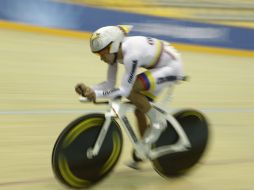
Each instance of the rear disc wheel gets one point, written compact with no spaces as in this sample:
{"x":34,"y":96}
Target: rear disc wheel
{"x":176,"y":164}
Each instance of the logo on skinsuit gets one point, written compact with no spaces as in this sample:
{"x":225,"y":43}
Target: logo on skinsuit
{"x":134,"y":66}
{"x":109,"y":91}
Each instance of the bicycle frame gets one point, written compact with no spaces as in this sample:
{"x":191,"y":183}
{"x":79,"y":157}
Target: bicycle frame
{"x":120,"y":109}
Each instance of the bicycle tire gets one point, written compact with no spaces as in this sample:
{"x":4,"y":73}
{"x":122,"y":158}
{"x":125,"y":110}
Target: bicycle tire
{"x":70,"y":163}
{"x":177,"y":164}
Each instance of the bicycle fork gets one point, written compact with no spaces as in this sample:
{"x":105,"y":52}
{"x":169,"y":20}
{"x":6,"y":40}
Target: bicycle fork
{"x":94,"y":151}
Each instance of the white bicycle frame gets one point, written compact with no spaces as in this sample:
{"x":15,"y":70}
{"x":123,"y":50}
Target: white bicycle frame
{"x":119,"y":109}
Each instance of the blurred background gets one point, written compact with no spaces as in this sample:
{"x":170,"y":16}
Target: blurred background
{"x":222,"y":24}
{"x":229,"y":12}
{"x":44,"y":53}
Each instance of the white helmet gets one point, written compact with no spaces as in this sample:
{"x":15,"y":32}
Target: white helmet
{"x":109,"y":35}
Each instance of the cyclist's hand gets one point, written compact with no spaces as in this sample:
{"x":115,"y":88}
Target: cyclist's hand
{"x":85,"y":91}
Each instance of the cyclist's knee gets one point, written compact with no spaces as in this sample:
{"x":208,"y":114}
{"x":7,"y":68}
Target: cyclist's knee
{"x":131,"y":96}
{"x":139,"y":101}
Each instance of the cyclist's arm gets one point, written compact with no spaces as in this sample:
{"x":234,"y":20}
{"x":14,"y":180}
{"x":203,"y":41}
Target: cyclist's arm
{"x":111,"y":79}
{"x":127,"y":82}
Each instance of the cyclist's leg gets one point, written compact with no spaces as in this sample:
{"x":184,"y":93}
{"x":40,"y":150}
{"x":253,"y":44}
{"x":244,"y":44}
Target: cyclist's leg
{"x":142,"y":104}
{"x":147,"y":84}
{"x":144,"y":88}
{"x":138,"y":99}
{"x":153,"y":82}
{"x":142,"y":122}
{"x":141,"y":117}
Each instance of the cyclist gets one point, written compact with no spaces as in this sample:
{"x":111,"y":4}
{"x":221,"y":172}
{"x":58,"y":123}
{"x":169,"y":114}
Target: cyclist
{"x":161,"y":61}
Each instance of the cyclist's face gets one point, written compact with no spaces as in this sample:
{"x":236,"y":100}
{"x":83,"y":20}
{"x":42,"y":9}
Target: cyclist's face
{"x":106,"y":56}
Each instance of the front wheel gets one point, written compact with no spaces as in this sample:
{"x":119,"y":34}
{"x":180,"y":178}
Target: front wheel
{"x":70,"y":162}
{"x":175,"y":164}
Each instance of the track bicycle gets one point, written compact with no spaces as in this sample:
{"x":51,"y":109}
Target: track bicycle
{"x":88,"y":149}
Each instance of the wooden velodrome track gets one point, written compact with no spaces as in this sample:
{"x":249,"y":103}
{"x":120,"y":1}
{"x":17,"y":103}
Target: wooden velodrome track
{"x":37,"y":77}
